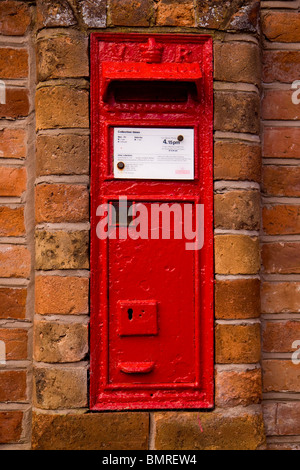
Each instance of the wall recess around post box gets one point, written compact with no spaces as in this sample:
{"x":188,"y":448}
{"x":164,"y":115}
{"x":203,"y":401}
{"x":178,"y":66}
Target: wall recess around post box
{"x":151,"y":297}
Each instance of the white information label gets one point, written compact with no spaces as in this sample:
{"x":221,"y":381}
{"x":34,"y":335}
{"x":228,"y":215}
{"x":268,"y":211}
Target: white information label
{"x":158,"y":154}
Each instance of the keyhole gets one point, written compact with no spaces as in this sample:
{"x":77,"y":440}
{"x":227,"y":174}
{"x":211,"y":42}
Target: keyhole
{"x":130,"y":314}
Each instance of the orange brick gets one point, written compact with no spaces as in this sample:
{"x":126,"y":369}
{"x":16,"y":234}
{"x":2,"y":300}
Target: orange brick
{"x":281,"y":66}
{"x":238,"y":344}
{"x":12,"y":181}
{"x":62,"y":155}
{"x":278,"y":105}
{"x":54,"y":13}
{"x":14,"y":18}
{"x":281,"y":181}
{"x":72,"y":112}
{"x":281,"y":220}
{"x":237,"y":62}
{"x":15,"y":340}
{"x":237,"y":210}
{"x":61,"y":203}
{"x":63,"y":56}
{"x":237,"y":161}
{"x":237,"y":299}
{"x":61,"y":295}
{"x":237,"y":112}
{"x":12,"y":222}
{"x":281,"y":142}
{"x":14,"y":261}
{"x":12,"y":143}
{"x":12,"y":303}
{"x":13,"y":63}
{"x":10,"y":426}
{"x":280,"y":376}
{"x":281,"y":297}
{"x":17,"y":104}
{"x":279,"y":337}
{"x":238,"y":388}
{"x":175,"y":13}
{"x":13,"y":386}
{"x":130,"y":12}
{"x":281,"y":26}
{"x":281,"y":258}
{"x":237,"y":254}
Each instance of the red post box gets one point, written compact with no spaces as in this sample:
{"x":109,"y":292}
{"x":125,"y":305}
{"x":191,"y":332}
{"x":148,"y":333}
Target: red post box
{"x":152,"y":173}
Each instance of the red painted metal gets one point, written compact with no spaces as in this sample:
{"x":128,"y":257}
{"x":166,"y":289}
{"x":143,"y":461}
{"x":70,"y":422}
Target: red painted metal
{"x":151,"y":300}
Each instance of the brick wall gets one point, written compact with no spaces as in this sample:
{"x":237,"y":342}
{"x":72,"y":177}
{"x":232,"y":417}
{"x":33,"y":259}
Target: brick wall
{"x":16,"y":221}
{"x":281,"y":229}
{"x":57,"y":192}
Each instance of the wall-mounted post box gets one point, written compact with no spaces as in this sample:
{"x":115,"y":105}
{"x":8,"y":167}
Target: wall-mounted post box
{"x":151,"y":193}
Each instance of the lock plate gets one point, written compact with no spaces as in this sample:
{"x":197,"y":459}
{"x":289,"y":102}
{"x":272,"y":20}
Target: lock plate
{"x":138,"y":318}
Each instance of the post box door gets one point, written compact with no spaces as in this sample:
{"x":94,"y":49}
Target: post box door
{"x":151,"y":311}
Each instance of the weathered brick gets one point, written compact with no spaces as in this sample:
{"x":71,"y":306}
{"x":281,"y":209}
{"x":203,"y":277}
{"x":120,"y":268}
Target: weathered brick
{"x":237,"y":299}
{"x":175,"y":13}
{"x":62,"y":155}
{"x":281,"y":297}
{"x":17,"y":104}
{"x":281,"y":181}
{"x":237,"y":62}
{"x":14,"y":18}
{"x":269,"y":413}
{"x":12,"y":303}
{"x":60,"y":388}
{"x":237,"y":210}
{"x":53,"y":13}
{"x":62,"y":250}
{"x":72,"y":112}
{"x":63,"y":57}
{"x":101,"y":431}
{"x":60,"y":342}
{"x":281,"y":142}
{"x":61,"y":295}
{"x":93,"y":13}
{"x":237,"y":112}
{"x":10,"y":426}
{"x":237,"y":161}
{"x":15,"y":340}
{"x":236,"y":254}
{"x":240,"y":15}
{"x":281,"y":258}
{"x":281,"y":66}
{"x":238,"y":388}
{"x":12,"y":222}
{"x":281,"y":26}
{"x":13,"y":386}
{"x":279,"y":336}
{"x":61,"y":203}
{"x":13,"y":63}
{"x":278,"y":105}
{"x":288,"y":419}
{"x":208,"y":431}
{"x":130,"y":12}
{"x":13,"y":181}
{"x":238,"y":344}
{"x":281,"y":220}
{"x":280,"y":376}
{"x":14,"y":261}
{"x":12,"y":143}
